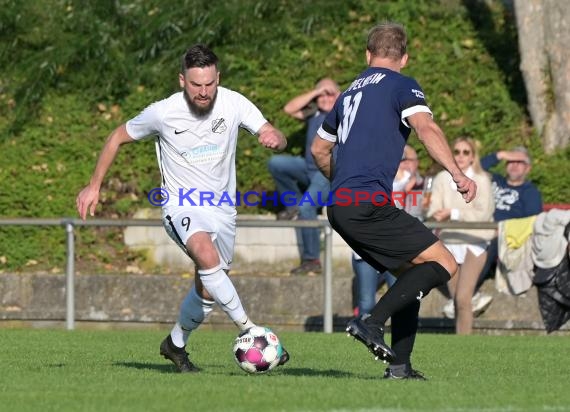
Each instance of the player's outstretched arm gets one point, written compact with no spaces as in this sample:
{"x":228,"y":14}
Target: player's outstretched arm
{"x":321,"y":150}
{"x":432,"y":137}
{"x":88,"y":198}
{"x":272,"y":138}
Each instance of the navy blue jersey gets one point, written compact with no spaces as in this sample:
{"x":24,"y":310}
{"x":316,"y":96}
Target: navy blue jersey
{"x":368,"y":124}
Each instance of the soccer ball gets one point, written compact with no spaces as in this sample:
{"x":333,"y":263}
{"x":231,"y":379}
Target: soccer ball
{"x":257,"y":350}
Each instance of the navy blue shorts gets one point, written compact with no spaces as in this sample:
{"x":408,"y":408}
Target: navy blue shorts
{"x":385,"y":236}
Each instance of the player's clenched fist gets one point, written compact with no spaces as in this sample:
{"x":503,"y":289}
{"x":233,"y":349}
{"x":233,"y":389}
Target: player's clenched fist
{"x":466,"y":186}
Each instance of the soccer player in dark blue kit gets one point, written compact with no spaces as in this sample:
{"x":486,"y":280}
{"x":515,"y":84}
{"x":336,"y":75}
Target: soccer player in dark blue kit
{"x":370,"y":124}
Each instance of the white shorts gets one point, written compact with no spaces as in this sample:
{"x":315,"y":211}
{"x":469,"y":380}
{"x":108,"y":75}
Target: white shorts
{"x":459,"y":250}
{"x":181,"y":222}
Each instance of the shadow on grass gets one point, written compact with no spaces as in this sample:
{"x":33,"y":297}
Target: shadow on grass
{"x":320,"y":373}
{"x":56,"y":365}
{"x":328,"y":373}
{"x":163,"y":368}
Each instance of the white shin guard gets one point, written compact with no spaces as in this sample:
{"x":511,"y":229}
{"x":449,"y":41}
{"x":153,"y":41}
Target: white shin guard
{"x":221,"y":288}
{"x":193,"y":311}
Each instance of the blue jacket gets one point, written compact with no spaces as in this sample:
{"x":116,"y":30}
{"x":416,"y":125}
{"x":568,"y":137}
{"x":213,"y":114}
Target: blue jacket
{"x":512,"y":202}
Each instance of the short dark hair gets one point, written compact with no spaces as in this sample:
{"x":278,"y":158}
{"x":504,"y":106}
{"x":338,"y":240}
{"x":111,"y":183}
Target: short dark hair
{"x":198,"y":55}
{"x":387,"y":40}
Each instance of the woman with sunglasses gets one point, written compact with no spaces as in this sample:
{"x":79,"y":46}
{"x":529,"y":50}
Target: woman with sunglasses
{"x":468,"y":246}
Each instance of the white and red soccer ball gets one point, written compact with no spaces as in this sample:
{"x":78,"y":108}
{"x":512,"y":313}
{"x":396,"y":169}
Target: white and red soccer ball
{"x":257,"y":350}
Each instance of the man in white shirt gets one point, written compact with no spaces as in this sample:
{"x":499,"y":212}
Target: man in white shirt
{"x":196,"y":134}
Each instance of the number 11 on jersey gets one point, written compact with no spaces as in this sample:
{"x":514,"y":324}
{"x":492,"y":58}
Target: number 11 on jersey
{"x":350,"y":105}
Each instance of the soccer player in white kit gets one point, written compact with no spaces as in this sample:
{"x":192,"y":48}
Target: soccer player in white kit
{"x":196,"y":134}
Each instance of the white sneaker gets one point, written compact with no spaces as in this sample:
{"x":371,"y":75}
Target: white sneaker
{"x":479,"y":302}
{"x":449,"y":309}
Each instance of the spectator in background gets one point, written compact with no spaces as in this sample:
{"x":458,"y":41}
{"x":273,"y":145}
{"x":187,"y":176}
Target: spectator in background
{"x":366,"y":279}
{"x":515,"y":196}
{"x":409,"y":180}
{"x":468,"y":246}
{"x":297,"y":174}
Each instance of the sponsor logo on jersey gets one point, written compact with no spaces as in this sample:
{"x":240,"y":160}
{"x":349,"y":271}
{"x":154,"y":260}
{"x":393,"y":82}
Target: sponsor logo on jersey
{"x":180,"y":131}
{"x":204,"y":154}
{"x":419,"y":94}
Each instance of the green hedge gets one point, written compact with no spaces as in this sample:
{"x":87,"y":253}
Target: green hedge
{"x":74,"y":70}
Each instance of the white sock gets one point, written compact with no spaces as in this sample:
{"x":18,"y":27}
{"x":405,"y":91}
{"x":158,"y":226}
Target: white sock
{"x":244,"y":323}
{"x":193,"y":311}
{"x":221,"y":288}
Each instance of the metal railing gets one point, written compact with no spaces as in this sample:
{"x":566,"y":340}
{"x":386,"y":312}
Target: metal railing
{"x":70,"y":224}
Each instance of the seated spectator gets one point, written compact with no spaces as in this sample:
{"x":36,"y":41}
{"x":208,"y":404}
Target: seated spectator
{"x":297,"y":174}
{"x":515,"y":196}
{"x":367,"y":279}
{"x":409,"y":180}
{"x":468,"y":246}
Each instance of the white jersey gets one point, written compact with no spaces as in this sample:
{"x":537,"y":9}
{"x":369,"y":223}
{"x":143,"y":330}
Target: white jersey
{"x":197,"y":155}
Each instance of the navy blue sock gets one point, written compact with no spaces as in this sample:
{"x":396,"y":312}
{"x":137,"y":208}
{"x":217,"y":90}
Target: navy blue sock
{"x":412,"y":285}
{"x":404,"y":328}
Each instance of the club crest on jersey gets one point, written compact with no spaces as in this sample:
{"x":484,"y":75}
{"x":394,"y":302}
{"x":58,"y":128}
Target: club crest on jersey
{"x":219,"y":125}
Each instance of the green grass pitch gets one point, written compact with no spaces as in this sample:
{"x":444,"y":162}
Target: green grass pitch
{"x":86,"y":370}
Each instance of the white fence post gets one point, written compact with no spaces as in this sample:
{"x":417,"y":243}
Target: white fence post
{"x":70,"y":277}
